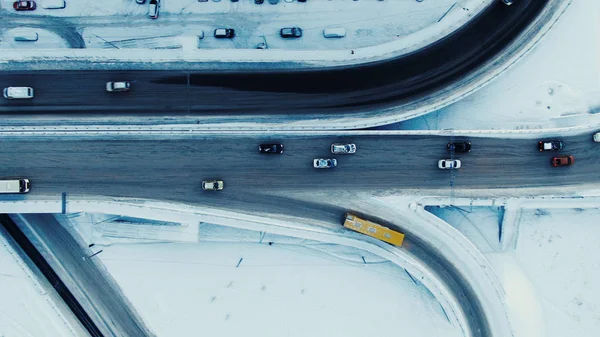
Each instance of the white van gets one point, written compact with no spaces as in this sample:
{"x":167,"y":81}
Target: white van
{"x":14,"y":185}
{"x":26,"y":36}
{"x":54,"y":4}
{"x":18,"y":92}
{"x":334,"y":32}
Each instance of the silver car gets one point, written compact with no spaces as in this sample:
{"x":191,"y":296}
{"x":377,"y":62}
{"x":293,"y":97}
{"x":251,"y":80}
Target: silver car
{"x":343,"y":148}
{"x":213,"y":185}
{"x":446,"y":164}
{"x":324,"y":163}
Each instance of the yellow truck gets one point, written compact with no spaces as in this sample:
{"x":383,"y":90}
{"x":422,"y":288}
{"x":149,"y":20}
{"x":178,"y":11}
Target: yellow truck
{"x":372,"y":229}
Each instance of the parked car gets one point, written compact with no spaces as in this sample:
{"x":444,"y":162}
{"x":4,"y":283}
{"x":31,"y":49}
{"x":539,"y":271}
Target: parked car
{"x":118,"y":86}
{"x":24,"y":5}
{"x":551,"y":145}
{"x":597,"y":137}
{"x":446,"y":164}
{"x":292,"y":32}
{"x":259,"y":2}
{"x":562,"y":161}
{"x":18,"y":92}
{"x":334,"y":33}
{"x":212,"y":185}
{"x":324,"y":163}
{"x":153,"y":8}
{"x":273,"y":2}
{"x":54,"y":4}
{"x":270,"y":148}
{"x":507,"y":2}
{"x":141,"y":2}
{"x":224,"y":33}
{"x":459,"y":147}
{"x":343,"y":148}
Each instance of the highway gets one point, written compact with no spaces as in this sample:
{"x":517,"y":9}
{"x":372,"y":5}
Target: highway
{"x":173,"y":169}
{"x":278,"y":91}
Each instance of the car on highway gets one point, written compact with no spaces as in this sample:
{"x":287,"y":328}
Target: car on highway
{"x":597,"y":137}
{"x":118,"y":86}
{"x":24,"y":5}
{"x":562,"y":161}
{"x":212,"y":185}
{"x":343,"y":148}
{"x":153,"y":9}
{"x":446,"y":164}
{"x":463,"y":147}
{"x":14,"y":186}
{"x":224,"y":33}
{"x":270,"y":148}
{"x":551,"y":145}
{"x":18,"y":92}
{"x":292,"y":32}
{"x":324,"y":163}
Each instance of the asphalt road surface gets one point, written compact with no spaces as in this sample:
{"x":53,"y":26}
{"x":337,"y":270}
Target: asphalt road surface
{"x":280,"y":91}
{"x":173,"y":169}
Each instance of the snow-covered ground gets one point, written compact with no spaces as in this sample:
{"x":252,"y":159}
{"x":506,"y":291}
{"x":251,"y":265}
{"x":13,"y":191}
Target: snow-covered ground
{"x":556,"y":85}
{"x":549,"y":274}
{"x":227,"y":282}
{"x":123,"y":23}
{"x":27,"y":307}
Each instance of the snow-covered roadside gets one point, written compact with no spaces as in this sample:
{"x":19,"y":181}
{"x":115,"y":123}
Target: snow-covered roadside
{"x":28,"y":305}
{"x":404,"y":41}
{"x":556,"y":85}
{"x":549,"y":266}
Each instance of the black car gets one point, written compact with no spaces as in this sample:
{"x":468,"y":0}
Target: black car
{"x":293,"y":32}
{"x":551,"y":145}
{"x":459,"y":147}
{"x":259,"y":2}
{"x":270,"y":148}
{"x":224,"y":33}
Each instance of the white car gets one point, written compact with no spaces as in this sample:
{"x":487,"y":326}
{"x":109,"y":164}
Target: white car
{"x":508,"y":2}
{"x":153,"y":8}
{"x":597,"y":137}
{"x":324,"y":163}
{"x":343,"y":148}
{"x":212,"y":185}
{"x":446,"y":164}
{"x":117,"y":86}
{"x":18,"y":92}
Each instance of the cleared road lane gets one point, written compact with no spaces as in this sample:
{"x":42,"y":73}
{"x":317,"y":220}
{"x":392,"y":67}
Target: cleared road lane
{"x":282,"y":89}
{"x":174,"y":168}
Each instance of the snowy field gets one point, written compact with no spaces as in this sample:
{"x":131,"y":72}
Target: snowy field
{"x":228,"y":282}
{"x":26,"y":308}
{"x":124,"y":24}
{"x":551,"y":273}
{"x":556,"y":85}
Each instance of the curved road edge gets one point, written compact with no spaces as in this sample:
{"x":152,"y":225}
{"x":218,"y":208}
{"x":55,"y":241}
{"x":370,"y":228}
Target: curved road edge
{"x":458,"y":15}
{"x":187,"y":214}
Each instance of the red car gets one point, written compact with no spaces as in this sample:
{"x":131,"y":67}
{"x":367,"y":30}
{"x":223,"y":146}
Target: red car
{"x":24,"y":5}
{"x":562,"y":161}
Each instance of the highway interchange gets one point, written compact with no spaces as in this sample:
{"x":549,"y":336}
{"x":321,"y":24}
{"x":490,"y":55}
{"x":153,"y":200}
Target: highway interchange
{"x":172,"y":168}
